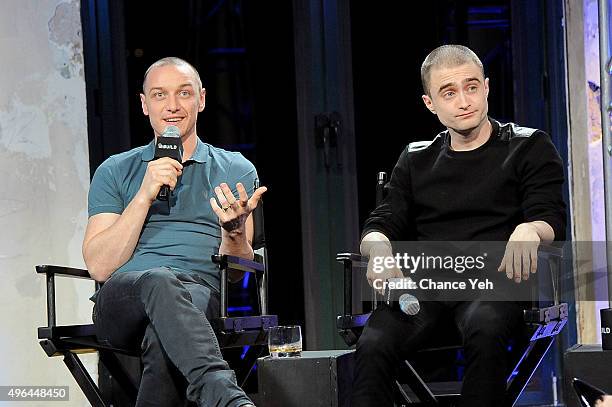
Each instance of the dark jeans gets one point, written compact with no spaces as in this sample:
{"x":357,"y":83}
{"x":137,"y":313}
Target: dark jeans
{"x":391,"y":336}
{"x":164,"y":314}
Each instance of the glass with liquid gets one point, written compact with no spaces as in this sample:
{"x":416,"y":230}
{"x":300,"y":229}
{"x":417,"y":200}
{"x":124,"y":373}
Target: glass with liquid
{"x":285,"y":341}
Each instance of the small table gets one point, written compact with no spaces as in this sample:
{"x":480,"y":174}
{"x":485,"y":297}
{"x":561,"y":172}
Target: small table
{"x":317,"y":378}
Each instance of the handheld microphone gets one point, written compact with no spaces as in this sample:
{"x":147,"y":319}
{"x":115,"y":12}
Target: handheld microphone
{"x":409,"y":304}
{"x":168,"y":144}
{"x":399,"y":298}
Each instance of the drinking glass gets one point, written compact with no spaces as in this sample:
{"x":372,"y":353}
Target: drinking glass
{"x":285,"y":341}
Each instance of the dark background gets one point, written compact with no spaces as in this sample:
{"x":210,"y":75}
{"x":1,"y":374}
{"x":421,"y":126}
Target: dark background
{"x":245,"y":53}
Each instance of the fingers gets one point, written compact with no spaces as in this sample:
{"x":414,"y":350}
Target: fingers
{"x":167,"y":177}
{"x":227,"y":198}
{"x":372,"y":274}
{"x":232,"y":212}
{"x":533,"y":254}
{"x":502,"y":265}
{"x":229,"y":195}
{"x":224,"y":196}
{"x":254,"y":201}
{"x":167,"y":162}
{"x":509,"y":264}
{"x":216,"y":208}
{"x":164,"y":171}
{"x":526,"y":263}
{"x":519,"y":261}
{"x":516,"y":265}
{"x":379,"y":279}
{"x":243,"y":197}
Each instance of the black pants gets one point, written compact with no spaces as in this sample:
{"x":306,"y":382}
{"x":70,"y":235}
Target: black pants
{"x":391,"y":336}
{"x":163,"y":314}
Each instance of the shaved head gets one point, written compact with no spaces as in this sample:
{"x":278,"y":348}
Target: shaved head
{"x":176,"y":62}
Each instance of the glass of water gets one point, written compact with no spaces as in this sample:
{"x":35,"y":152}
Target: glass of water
{"x":285,"y":341}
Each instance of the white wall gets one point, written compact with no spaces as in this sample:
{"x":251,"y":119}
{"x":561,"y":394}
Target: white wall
{"x":44,"y":171}
{"x":595,"y":158}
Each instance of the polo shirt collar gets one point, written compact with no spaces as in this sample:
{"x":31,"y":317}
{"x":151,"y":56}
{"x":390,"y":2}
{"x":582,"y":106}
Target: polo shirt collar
{"x":199,"y":155}
{"x":148,"y":153}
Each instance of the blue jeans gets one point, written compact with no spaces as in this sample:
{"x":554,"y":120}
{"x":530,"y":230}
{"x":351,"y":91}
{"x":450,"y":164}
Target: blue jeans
{"x":165,"y":315}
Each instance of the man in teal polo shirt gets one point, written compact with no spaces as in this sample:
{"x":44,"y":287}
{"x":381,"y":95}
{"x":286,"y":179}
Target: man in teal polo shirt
{"x":154,"y":257}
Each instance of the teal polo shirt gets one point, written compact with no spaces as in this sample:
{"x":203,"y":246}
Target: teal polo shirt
{"x":183,"y":234}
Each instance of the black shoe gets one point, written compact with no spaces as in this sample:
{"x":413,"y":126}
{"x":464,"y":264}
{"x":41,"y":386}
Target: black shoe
{"x":587,"y":394}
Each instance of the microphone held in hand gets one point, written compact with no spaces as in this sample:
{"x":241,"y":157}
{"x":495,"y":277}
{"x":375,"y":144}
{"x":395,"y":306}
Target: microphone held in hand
{"x":399,"y":298}
{"x":409,"y":304}
{"x":169,"y":144}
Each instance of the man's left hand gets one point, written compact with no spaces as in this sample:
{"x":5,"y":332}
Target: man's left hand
{"x":521,"y":255}
{"x":232,"y":212}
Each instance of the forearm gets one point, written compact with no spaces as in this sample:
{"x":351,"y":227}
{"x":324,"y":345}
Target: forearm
{"x":108,"y":250}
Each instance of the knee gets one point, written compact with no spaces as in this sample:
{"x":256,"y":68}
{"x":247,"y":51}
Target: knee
{"x":374,"y":344}
{"x":487,"y":329}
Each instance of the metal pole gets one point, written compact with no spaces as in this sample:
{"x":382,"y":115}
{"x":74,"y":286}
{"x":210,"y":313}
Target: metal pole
{"x":605,"y":69}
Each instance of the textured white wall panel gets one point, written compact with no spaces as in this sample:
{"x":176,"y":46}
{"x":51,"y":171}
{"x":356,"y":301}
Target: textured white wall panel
{"x":44,"y":178}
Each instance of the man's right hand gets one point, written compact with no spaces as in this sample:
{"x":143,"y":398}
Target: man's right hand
{"x":163,"y":171}
{"x":377,"y":271}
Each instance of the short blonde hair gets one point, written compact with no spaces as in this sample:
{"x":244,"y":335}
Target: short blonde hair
{"x":176,"y":62}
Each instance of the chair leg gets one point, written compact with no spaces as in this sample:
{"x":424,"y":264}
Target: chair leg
{"x":248,"y":363}
{"x":526,"y":367}
{"x":418,"y":386}
{"x":400,"y":397}
{"x":83,"y":379}
{"x":118,"y":372}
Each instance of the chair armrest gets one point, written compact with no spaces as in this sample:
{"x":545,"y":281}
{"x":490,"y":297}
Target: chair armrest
{"x":228,"y":263}
{"x":349,"y":262}
{"x":62,"y":271}
{"x":550,"y":250}
{"x":238,"y":263}
{"x":50,"y":272}
{"x":353,"y":258}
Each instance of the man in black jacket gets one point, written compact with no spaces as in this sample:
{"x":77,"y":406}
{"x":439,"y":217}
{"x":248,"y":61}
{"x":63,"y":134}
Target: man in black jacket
{"x":479,"y":180}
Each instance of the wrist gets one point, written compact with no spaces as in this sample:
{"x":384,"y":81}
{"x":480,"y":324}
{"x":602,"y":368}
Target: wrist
{"x":142,"y":200}
{"x":527,"y":226}
{"x":529,"y":231}
{"x":375,"y":243}
{"x":380,"y":249}
{"x":236,"y":247}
